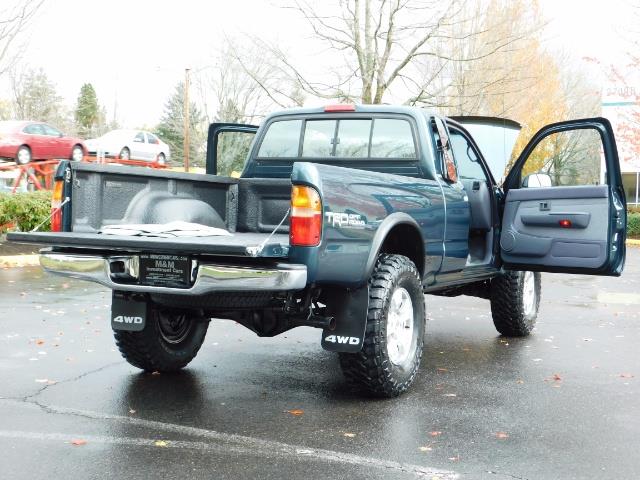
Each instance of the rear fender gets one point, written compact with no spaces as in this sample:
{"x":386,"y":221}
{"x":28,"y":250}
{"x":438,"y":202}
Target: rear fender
{"x":388,"y":224}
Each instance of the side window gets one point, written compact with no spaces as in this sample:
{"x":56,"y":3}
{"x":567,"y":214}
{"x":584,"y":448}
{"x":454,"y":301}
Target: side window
{"x":139,"y":138}
{"x":281,"y":140}
{"x":34,"y":129}
{"x":318,"y":138}
{"x":232,"y":151}
{"x":467,"y":160}
{"x":567,"y":158}
{"x":49,"y":130}
{"x":151,"y":138}
{"x":392,"y":138}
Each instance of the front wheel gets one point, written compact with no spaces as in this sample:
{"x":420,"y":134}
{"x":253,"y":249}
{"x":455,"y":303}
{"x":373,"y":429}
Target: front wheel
{"x":515,"y":299}
{"x":161,"y":159}
{"x":389,"y":360}
{"x":168,"y":342}
{"x":125,"y":154}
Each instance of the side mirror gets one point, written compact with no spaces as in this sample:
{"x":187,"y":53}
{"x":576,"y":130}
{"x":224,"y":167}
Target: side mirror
{"x":60,"y":135}
{"x":537,"y":180}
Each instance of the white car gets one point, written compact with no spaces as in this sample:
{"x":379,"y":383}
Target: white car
{"x":130,"y":145}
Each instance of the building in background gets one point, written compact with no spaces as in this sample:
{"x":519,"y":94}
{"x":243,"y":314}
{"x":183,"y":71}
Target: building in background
{"x":621,"y":105}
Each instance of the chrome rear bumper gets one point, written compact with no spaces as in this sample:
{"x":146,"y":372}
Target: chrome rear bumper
{"x":209,"y":277}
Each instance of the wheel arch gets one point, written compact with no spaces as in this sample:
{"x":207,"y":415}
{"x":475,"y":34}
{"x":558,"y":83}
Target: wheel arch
{"x":398,"y":234}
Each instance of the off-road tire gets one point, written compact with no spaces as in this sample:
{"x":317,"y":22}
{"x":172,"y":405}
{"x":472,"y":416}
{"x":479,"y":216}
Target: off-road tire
{"x":149,"y":351}
{"x":507,"y":304}
{"x":370,"y":370}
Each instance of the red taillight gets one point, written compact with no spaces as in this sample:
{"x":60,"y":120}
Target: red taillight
{"x":56,"y":206}
{"x":305,"y":224}
{"x":342,"y":107}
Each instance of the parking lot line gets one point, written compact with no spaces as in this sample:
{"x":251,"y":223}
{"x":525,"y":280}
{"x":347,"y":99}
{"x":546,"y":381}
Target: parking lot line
{"x":227,"y":442}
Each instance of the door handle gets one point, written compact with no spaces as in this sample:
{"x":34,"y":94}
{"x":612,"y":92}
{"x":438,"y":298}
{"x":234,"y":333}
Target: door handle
{"x":544,"y":206}
{"x":476,"y":185}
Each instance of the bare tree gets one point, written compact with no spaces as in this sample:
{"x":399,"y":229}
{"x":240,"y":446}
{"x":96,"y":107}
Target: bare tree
{"x":407,"y":45}
{"x":13,"y":21}
{"x":244,"y":83}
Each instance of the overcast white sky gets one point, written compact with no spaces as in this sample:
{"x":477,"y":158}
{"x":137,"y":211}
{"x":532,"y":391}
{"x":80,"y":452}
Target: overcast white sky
{"x":137,"y":50}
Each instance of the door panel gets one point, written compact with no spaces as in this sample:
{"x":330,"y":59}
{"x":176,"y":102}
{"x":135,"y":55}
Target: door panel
{"x":563,"y":226}
{"x":578,"y":225}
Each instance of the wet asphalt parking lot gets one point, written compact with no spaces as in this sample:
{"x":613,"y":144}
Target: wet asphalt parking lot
{"x":562,"y":403}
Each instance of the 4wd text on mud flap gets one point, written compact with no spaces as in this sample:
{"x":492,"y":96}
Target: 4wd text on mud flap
{"x":341,"y":339}
{"x":127,"y":319}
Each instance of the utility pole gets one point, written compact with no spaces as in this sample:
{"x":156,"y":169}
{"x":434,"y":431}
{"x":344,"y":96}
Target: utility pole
{"x":185,"y":111}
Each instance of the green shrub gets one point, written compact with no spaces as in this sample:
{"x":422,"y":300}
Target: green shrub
{"x":633,"y":224}
{"x":25,"y":211}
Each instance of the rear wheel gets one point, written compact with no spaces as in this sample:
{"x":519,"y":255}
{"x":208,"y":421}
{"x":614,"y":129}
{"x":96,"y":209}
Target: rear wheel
{"x":23,"y":156}
{"x":515,"y":299}
{"x":125,"y":154}
{"x":389,"y":360}
{"x":168,"y":342}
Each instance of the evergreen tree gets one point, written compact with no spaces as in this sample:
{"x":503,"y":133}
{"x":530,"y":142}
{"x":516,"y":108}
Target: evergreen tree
{"x":171,"y":128}
{"x":87,"y":113}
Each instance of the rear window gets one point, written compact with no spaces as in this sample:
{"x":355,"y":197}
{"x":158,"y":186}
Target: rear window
{"x":347,"y":138}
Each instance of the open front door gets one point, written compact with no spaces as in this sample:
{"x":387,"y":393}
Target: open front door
{"x":228,"y":145}
{"x":565,"y":208}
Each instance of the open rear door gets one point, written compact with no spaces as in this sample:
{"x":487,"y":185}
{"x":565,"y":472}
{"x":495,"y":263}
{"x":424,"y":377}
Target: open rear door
{"x":228,"y":145}
{"x":565,"y":207}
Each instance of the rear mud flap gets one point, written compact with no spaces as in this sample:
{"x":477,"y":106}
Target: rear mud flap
{"x":349,"y":308}
{"x":128,"y":312}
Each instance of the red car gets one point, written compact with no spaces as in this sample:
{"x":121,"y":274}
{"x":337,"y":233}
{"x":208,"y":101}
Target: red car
{"x":24,"y":142}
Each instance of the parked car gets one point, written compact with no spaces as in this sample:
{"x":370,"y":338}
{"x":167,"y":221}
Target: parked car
{"x":130,"y":145}
{"x":24,"y":141}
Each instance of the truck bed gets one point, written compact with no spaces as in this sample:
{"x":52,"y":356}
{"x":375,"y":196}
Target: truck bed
{"x":237,"y":245}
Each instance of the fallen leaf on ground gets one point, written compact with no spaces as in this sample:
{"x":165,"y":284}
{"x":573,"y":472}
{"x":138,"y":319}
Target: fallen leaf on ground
{"x":42,"y":380}
{"x":160,"y":443}
{"x":78,"y":441}
{"x":350,"y":435}
{"x":520,"y":381}
{"x":557,"y":377}
{"x":39,"y":342}
{"x":449,"y":395}
{"x":502,"y":435}
{"x":296,"y":412}
{"x":132,"y":411}
{"x":626,"y":375}
{"x":441,"y":370}
{"x":155,"y":372}
{"x":425,"y":449}
{"x":435,"y":434}
{"x":455,"y":459}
